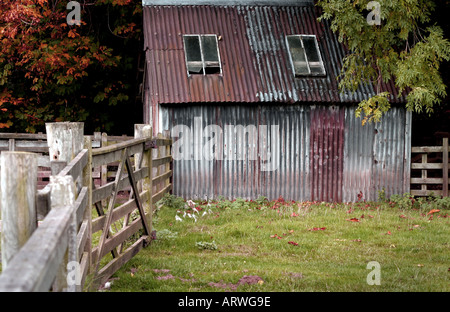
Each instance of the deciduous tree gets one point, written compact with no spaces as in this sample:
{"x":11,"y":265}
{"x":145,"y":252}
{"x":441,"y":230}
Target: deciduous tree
{"x":51,"y":71}
{"x":405,"y":46}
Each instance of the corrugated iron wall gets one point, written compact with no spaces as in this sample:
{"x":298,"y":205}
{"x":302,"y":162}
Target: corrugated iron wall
{"x":377,"y":156}
{"x":322,"y":153}
{"x":284,"y":131}
{"x":327,"y":150}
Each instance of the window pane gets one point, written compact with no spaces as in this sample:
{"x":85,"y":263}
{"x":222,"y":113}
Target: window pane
{"x":311,"y":49}
{"x":313,"y":54}
{"x":298,"y":55}
{"x":192,"y":48}
{"x":210,"y":51}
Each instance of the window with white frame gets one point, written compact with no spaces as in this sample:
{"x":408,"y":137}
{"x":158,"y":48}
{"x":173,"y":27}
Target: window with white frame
{"x":305,"y":55}
{"x":202,"y":54}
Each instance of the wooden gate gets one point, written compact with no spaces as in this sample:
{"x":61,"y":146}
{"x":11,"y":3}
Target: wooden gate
{"x":430,"y":170}
{"x":92,"y":239}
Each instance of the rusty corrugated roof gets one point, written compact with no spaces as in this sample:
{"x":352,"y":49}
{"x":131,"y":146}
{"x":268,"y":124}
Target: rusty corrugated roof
{"x":253,"y":51}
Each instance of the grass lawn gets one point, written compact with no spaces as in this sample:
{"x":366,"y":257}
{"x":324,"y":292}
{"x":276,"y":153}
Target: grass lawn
{"x":292,"y":247}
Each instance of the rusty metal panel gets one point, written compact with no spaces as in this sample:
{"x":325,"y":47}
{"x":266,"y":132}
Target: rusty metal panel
{"x":322,"y":153}
{"x":327,"y":153}
{"x":253,"y":52}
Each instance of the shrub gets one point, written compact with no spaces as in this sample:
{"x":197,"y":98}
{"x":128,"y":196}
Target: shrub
{"x":206,"y":245}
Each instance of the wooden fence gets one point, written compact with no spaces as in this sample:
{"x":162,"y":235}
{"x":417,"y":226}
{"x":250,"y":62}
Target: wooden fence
{"x":37,"y":143}
{"x":430,"y":170}
{"x":81,"y":242}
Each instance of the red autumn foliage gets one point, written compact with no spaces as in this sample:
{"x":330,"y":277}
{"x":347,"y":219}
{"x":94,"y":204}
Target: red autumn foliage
{"x":52,"y":71}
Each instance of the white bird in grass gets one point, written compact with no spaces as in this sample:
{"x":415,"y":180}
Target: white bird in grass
{"x":190,"y":203}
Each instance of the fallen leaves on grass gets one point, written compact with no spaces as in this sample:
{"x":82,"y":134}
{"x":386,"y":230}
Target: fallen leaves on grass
{"x":433,"y":211}
{"x":317,"y":229}
{"x":160,"y":271}
{"x":353,"y":220}
{"x":282,"y":236}
{"x":165,"y":277}
{"x":245,"y":280}
{"x":293,"y":243}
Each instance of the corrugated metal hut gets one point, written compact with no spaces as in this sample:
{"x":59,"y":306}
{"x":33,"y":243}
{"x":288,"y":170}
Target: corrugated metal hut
{"x":249,"y":93}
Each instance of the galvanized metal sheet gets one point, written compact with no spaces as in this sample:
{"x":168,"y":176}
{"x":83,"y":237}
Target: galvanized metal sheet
{"x":376,"y":156}
{"x":321,"y":153}
{"x":281,"y":141}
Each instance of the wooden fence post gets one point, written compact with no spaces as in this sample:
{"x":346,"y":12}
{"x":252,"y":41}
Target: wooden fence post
{"x":141,"y":131}
{"x":87,"y":182}
{"x":62,"y":196}
{"x":65,"y":140}
{"x":18,"y":201}
{"x":104,"y":170}
{"x":445,"y":167}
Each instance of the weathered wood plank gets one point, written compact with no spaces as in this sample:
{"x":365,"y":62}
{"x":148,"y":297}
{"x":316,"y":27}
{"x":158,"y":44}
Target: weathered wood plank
{"x":118,"y":262}
{"x":81,"y":204}
{"x":84,"y":269}
{"x":445,"y":167}
{"x":119,"y":212}
{"x":162,"y":177}
{"x":161,"y":193}
{"x":426,"y":149}
{"x":106,"y":190}
{"x":65,"y":140}
{"x":425,"y":193}
{"x":62,"y":197}
{"x":18,"y":201}
{"x":35,"y":266}
{"x":118,"y":147}
{"x":76,"y":166}
{"x":121,"y":236}
{"x":426,"y":166}
{"x":161,"y":161}
{"x":162,"y":142}
{"x":427,"y":181}
{"x":100,"y":159}
{"x":109,"y":212}
{"x":23,"y":136}
{"x":82,"y":237}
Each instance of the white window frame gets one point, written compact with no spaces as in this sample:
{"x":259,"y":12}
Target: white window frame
{"x":308,"y":63}
{"x":203,"y":63}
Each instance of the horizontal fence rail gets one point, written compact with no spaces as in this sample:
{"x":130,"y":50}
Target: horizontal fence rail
{"x":87,"y":233}
{"x":432,"y":162}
